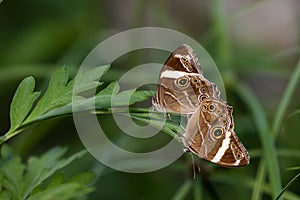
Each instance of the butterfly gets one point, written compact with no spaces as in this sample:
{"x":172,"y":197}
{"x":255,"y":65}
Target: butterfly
{"x":210,"y":135}
{"x":183,"y":89}
{"x":182,"y":86}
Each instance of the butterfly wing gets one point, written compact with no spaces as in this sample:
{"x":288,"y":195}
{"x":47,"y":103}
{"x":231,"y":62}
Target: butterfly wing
{"x":181,"y":83}
{"x":210,"y":135}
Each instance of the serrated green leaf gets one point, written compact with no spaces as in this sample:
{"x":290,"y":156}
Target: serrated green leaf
{"x":59,"y":93}
{"x":62,"y":192}
{"x":57,"y":100}
{"x":84,"y":178}
{"x":22,"y":102}
{"x":112,"y":89}
{"x":75,"y":187}
{"x":89,"y":79}
{"x":13,"y":169}
{"x":139,"y":96}
{"x":129,"y":97}
{"x":56,"y":180}
{"x":39,"y":169}
{"x":101,"y":102}
{"x":123,"y":98}
{"x":93,"y":74}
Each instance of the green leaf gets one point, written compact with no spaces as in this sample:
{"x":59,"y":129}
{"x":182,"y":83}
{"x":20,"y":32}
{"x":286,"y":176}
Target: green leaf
{"x":12,"y":169}
{"x":170,"y":127}
{"x":58,"y":97}
{"x":293,"y":168}
{"x":39,"y":169}
{"x":84,"y":178}
{"x":296,"y":112}
{"x":78,"y":182}
{"x":22,"y":102}
{"x":288,"y":185}
{"x":89,"y":79}
{"x":112,"y":89}
{"x":139,"y":96}
{"x":286,"y":100}
{"x":62,"y":192}
{"x":57,"y":179}
{"x":125,"y":98}
{"x":57,"y":100}
{"x":183,"y":191}
{"x":233,"y":179}
{"x":265,"y":137}
{"x":59,"y":93}
{"x":19,"y":185}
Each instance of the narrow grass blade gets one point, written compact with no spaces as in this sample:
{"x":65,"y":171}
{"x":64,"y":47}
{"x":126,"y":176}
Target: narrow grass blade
{"x":183,"y":191}
{"x":259,"y":181}
{"x":285,"y":100}
{"x":265,"y":137}
{"x":288,"y":185}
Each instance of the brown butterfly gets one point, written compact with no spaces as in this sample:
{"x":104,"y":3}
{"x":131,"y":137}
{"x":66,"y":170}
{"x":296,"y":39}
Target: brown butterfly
{"x":181,"y":84}
{"x":210,"y":135}
{"x":183,"y":89}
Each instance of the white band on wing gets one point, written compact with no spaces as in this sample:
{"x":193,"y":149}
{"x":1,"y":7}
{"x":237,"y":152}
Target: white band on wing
{"x":175,"y":74}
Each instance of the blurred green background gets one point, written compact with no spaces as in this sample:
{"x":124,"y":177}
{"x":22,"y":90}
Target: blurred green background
{"x":255,"y":45}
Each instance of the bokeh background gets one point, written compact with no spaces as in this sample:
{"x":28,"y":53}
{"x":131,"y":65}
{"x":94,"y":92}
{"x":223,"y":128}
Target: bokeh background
{"x":254,"y":44}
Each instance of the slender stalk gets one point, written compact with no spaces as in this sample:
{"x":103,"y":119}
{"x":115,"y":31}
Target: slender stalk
{"x":288,"y":185}
{"x":259,"y":181}
{"x":183,"y":191}
{"x":285,"y":101}
{"x":265,"y":138}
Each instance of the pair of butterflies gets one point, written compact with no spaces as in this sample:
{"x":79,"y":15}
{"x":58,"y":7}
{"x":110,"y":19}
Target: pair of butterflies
{"x":209,"y":133}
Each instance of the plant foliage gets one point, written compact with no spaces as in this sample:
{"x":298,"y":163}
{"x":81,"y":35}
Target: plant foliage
{"x":41,"y":177}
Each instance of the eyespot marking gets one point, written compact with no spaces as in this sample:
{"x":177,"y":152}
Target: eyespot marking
{"x":218,"y":132}
{"x":182,"y":82}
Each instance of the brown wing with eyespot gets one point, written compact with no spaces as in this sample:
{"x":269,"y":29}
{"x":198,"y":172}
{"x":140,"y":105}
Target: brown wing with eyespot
{"x":210,"y":135}
{"x":183,"y":59}
{"x":184,"y":99}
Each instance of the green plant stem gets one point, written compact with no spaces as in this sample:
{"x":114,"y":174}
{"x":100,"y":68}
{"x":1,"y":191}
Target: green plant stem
{"x":288,"y":185}
{"x":248,"y":182}
{"x":259,"y":181}
{"x":285,"y":101}
{"x":197,"y":190}
{"x":183,"y":190}
{"x":116,"y":110}
{"x":265,"y":138}
{"x":9,"y":135}
{"x":221,"y":32}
